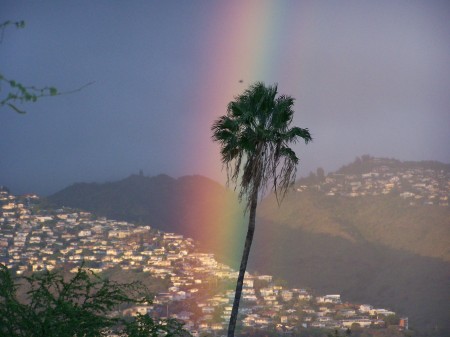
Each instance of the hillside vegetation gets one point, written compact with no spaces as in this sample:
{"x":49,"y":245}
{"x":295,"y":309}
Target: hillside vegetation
{"x":361,"y":272}
{"x":385,"y":220}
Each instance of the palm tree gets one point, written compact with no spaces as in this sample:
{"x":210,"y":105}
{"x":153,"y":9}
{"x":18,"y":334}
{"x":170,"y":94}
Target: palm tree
{"x":254,"y":138}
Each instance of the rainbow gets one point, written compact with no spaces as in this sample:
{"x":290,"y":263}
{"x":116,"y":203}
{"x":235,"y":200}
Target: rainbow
{"x":248,"y":41}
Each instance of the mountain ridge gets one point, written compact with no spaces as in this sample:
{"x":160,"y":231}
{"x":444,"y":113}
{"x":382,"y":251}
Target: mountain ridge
{"x":185,"y":205}
{"x":321,"y":235}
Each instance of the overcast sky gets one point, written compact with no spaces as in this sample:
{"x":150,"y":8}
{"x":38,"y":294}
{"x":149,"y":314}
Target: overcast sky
{"x":369,"y":77}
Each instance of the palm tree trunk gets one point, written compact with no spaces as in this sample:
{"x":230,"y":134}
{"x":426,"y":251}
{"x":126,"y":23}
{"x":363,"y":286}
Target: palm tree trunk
{"x":243,"y":267}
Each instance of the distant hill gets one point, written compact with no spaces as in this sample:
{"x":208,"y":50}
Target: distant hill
{"x":373,"y":249}
{"x":366,"y":163}
{"x":194,"y":206}
{"x":375,"y":230}
{"x":386,"y":220}
{"x":411,"y":285}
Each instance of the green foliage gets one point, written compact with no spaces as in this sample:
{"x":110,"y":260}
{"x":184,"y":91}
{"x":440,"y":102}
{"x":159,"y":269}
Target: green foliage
{"x":11,"y":311}
{"x":19,"y":93}
{"x":56,"y":307}
{"x":146,"y":326}
{"x":78,"y":306}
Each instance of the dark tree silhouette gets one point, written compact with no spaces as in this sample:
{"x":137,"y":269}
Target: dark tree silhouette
{"x":77,"y":306}
{"x":254,"y":138}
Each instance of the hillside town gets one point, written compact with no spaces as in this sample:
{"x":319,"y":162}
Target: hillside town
{"x":418,"y":185}
{"x":200,"y":291}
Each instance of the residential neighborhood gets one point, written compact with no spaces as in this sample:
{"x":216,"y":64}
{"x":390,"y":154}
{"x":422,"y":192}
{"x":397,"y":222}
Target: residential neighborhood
{"x":200,"y":291}
{"x":418,"y":185}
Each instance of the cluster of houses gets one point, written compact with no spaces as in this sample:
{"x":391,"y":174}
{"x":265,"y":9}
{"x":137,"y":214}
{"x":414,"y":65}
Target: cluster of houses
{"x":33,"y":239}
{"x":419,"y":185}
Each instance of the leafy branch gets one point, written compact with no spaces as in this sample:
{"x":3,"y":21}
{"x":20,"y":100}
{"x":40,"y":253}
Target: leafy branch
{"x":18,"y":93}
{"x":48,"y":304}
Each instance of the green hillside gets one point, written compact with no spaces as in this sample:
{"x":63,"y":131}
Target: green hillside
{"x":362,"y":272}
{"x":385,"y":220}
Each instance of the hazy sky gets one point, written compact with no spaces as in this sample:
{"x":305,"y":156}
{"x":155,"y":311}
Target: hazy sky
{"x":369,"y":77}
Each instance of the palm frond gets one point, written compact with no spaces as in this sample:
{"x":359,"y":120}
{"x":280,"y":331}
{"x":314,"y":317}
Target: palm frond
{"x":254,"y":137}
